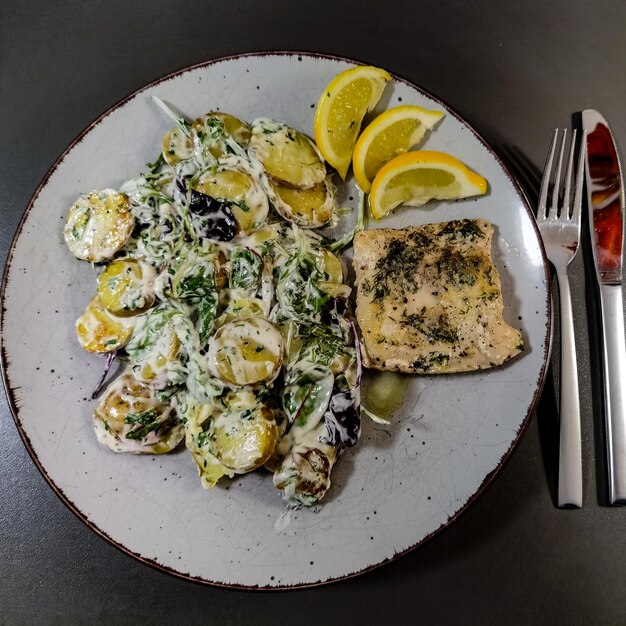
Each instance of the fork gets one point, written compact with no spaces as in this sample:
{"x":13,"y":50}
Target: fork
{"x":559,"y":225}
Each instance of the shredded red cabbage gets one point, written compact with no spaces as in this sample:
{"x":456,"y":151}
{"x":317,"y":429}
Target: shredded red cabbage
{"x":343,"y":418}
{"x":107,"y":366}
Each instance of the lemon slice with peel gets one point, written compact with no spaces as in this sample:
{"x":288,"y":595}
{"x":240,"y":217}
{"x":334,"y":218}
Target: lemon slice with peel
{"x":416,"y":177}
{"x":341,"y":109}
{"x":392,"y":133}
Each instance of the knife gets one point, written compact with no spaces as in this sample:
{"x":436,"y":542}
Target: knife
{"x":605,"y":195}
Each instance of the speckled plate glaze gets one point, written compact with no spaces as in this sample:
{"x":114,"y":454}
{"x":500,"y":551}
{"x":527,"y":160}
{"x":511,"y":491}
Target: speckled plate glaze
{"x":393,"y":491}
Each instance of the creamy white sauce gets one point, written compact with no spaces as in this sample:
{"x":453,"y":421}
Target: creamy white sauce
{"x":246,"y":352}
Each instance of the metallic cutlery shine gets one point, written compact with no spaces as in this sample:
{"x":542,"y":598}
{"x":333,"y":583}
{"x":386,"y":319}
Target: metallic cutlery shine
{"x":558,"y":218}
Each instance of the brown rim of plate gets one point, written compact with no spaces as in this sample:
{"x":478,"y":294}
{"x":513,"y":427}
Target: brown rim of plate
{"x":488,"y":480}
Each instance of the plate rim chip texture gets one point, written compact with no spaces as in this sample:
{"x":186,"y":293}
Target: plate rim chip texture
{"x":5,"y":357}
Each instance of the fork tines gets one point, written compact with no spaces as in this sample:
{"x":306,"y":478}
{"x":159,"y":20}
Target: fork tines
{"x":561,"y":202}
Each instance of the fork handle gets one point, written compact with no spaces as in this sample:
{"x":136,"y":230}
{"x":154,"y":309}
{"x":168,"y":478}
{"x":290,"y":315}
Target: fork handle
{"x":614,"y":349}
{"x":570,"y":490}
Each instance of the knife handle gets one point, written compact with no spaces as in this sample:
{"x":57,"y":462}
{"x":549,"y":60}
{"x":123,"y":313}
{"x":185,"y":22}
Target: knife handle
{"x":614,"y":348}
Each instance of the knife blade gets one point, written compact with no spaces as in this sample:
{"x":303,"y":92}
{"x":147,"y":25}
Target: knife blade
{"x":605,"y":201}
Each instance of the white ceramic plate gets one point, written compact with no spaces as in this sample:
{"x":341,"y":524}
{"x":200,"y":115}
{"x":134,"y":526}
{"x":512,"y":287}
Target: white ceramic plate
{"x":395,"y":489}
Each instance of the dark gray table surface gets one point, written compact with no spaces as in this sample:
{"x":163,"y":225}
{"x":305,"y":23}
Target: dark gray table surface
{"x":515,"y":70}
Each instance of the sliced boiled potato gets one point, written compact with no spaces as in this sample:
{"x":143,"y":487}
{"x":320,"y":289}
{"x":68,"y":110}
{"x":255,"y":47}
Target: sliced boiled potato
{"x":333,"y":276}
{"x":246,"y":198}
{"x":213,"y":128}
{"x":303,"y":477}
{"x":207,"y":134}
{"x":240,"y":308}
{"x":126,"y":287}
{"x":245,"y":352}
{"x":224,"y":184}
{"x":196,"y":417}
{"x":130,"y":418}
{"x":98,"y":225}
{"x":177,"y":146}
{"x":260,"y":239}
{"x":287,"y":155}
{"x":309,"y":208}
{"x":98,"y":330}
{"x":333,"y":269}
{"x":244,"y":435}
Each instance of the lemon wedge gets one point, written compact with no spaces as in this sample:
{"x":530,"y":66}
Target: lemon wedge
{"x":416,"y":177}
{"x":341,"y":109}
{"x":392,"y":133}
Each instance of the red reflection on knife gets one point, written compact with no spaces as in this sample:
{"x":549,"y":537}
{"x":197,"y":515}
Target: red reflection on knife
{"x":605,"y":198}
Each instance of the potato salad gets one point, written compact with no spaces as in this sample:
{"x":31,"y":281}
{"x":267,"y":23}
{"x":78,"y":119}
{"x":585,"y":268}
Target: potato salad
{"x":229,"y":311}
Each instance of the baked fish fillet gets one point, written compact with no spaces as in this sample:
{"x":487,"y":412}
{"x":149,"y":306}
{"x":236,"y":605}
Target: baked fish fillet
{"x":429,"y":299}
